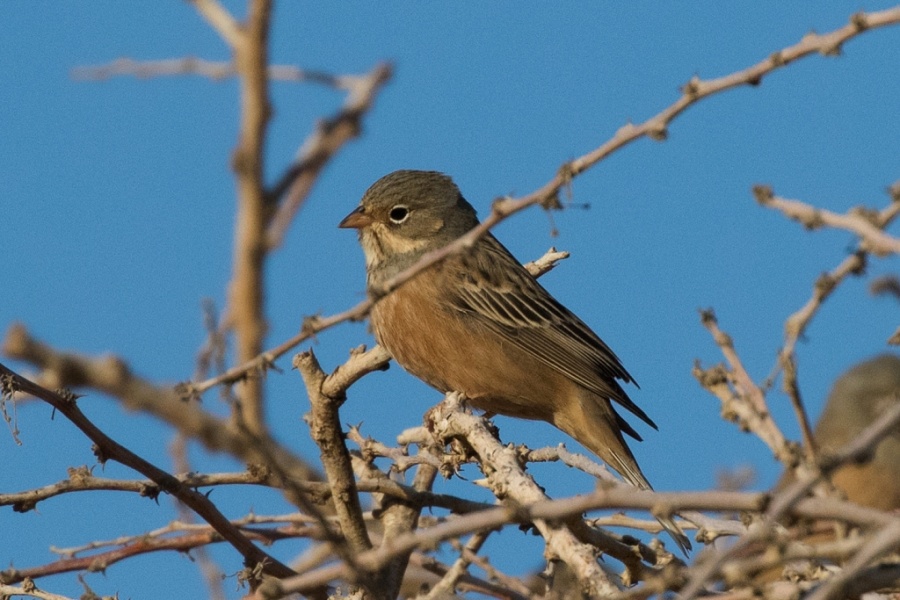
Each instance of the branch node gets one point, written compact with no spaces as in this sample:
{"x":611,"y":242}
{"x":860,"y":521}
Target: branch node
{"x":763,"y":194}
{"x":894,"y":191}
{"x":658,"y":132}
{"x":552,"y":202}
{"x":8,"y":386}
{"x":860,"y":21}
{"x":825,"y":284}
{"x":691,"y":88}
{"x":68,"y":395}
{"x":187,"y":392}
{"x":833,"y":50}
{"x":708,"y":317}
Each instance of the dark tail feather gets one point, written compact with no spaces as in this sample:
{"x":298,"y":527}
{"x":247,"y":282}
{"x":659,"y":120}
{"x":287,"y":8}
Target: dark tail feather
{"x":594,"y":423}
{"x":630,"y":470}
{"x":675,"y":532}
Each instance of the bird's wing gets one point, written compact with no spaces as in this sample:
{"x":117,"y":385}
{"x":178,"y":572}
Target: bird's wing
{"x":495,"y":289}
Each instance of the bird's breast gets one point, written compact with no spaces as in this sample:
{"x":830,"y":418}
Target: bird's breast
{"x":449,"y":350}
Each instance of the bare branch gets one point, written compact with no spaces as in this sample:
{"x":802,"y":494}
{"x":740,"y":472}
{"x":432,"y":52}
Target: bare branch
{"x":499,"y":584}
{"x":215,"y":70}
{"x":866,"y":224}
{"x":108,"y":449}
{"x":854,"y":264}
{"x":745,"y":401}
{"x":447,"y":585}
{"x":247,"y":284}
{"x":200,"y":537}
{"x":112,"y":376}
{"x":81,"y":480}
{"x":29,"y":589}
{"x":547,"y":262}
{"x":325,"y":427}
{"x":796,"y":324}
{"x":330,"y":135}
{"x":509,"y":482}
{"x":221,"y":20}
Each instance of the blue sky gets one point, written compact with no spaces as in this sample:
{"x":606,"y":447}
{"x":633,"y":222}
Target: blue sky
{"x":118,"y":207}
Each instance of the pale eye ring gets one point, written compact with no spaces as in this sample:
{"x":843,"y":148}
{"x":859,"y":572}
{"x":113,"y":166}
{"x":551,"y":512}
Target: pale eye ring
{"x":399,"y":214}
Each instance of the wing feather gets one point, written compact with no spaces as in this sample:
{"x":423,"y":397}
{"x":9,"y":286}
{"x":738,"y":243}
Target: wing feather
{"x":515,"y":306}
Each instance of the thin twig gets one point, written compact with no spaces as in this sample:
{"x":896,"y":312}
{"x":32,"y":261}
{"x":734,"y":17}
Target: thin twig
{"x":330,"y":135}
{"x":30,"y":590}
{"x":447,"y":585}
{"x":864,"y":224}
{"x":221,"y":20}
{"x":216,"y":70}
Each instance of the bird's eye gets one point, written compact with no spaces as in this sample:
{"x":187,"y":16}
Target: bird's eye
{"x":399,"y":214}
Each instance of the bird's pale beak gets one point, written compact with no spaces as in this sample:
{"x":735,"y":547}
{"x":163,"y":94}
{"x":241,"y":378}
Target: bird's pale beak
{"x":356,"y":220}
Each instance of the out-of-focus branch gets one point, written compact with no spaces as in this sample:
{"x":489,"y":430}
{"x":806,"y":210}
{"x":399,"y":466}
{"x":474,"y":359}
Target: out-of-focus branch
{"x":108,"y":449}
{"x":200,"y":537}
{"x":210,"y":355}
{"x":65,"y":369}
{"x":330,"y":135}
{"x":886,"y":285}
{"x":402,"y":518}
{"x":613,"y":498}
{"x":246,"y":302}
{"x":858,"y":448}
{"x":81,"y":480}
{"x":447,"y":585}
{"x":883,"y":542}
{"x":112,"y":376}
{"x":221,"y":20}
{"x":547,"y":195}
{"x":894,"y":340}
{"x":216,"y":70}
{"x":498,"y":585}
{"x":512,"y":583}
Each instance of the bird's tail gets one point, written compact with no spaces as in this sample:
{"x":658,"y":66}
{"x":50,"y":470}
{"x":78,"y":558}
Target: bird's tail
{"x":629,"y":469}
{"x":595,"y":426}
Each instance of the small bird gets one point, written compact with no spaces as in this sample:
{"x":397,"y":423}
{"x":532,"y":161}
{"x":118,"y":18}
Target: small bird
{"x":857,"y":399}
{"x":478,"y":323}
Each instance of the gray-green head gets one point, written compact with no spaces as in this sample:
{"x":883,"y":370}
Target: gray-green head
{"x":409,"y":213}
